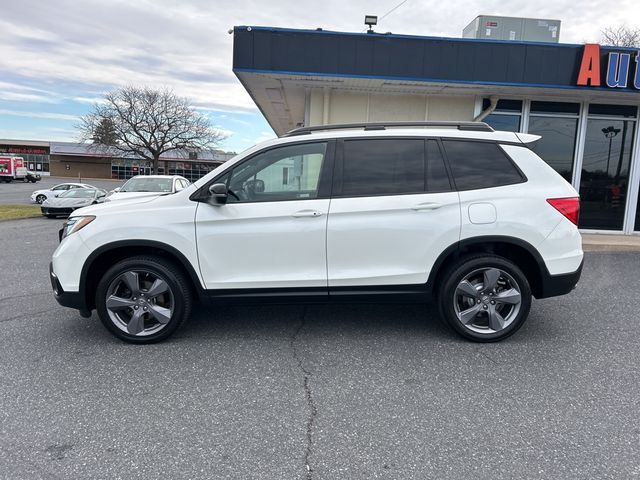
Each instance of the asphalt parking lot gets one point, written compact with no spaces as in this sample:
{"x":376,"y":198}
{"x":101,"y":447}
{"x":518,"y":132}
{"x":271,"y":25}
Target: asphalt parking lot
{"x":18,"y":192}
{"x":353,"y":391}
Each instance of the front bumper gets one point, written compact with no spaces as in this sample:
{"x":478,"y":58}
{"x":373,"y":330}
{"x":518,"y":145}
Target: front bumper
{"x":67,"y":299}
{"x":56,"y":210}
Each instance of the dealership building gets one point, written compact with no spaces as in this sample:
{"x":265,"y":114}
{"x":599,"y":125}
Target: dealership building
{"x":81,"y":160}
{"x":583,"y":100}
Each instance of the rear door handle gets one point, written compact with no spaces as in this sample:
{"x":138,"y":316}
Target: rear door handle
{"x":426,"y":206}
{"x":307,"y":213}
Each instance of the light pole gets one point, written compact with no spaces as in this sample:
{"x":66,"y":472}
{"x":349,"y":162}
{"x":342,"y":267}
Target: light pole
{"x":610,"y":132}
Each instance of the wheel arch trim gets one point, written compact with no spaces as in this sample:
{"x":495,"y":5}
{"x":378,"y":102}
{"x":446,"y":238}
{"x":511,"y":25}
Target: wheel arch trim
{"x":439,"y":264}
{"x":182,"y":259}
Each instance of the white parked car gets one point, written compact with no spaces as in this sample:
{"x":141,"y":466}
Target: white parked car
{"x":40,"y":196}
{"x":455,"y":212}
{"x":148,"y":185}
{"x":71,"y":200}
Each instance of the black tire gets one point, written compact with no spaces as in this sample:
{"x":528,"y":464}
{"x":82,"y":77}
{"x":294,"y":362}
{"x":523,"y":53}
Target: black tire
{"x":40,"y":199}
{"x":182,"y":296}
{"x":449,"y":298}
{"x":48,"y":215}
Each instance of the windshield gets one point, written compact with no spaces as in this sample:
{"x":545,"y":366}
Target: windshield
{"x":147,"y":185}
{"x":78,"y":193}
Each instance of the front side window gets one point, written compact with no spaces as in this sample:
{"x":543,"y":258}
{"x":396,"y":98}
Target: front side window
{"x":78,"y":193}
{"x":286,"y":173}
{"x":381,"y":167}
{"x":480,"y":165}
{"x":60,"y":187}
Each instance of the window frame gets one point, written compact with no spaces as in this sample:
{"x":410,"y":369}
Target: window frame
{"x":324,"y":181}
{"x":452,"y":179}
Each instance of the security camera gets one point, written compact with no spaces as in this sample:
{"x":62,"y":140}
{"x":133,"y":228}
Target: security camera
{"x":230,"y":31}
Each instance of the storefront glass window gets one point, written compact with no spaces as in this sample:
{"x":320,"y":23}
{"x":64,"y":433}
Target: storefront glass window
{"x":125,"y":169}
{"x":557,"y":123}
{"x":605,"y":171}
{"x":506,"y":116}
{"x":506,"y":123}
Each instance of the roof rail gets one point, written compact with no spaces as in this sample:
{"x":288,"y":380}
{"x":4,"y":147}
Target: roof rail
{"x":474,"y":126}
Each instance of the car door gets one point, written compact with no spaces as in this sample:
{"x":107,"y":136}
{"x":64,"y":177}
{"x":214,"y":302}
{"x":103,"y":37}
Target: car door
{"x":272,"y":231}
{"x":393,"y":212}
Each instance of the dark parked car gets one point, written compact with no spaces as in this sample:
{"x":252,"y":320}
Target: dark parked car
{"x":32,"y":177}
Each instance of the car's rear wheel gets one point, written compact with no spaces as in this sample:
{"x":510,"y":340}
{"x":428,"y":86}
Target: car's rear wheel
{"x":40,"y":199}
{"x":143,"y":299}
{"x":485,"y":298}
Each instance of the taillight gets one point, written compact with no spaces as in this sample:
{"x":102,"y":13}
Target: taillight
{"x":569,"y":207}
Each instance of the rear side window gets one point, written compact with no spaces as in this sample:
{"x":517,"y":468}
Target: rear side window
{"x":381,"y":166}
{"x":480,"y":165}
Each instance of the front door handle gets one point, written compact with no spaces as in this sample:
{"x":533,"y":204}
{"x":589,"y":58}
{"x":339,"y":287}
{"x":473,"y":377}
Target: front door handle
{"x":307,"y":213}
{"x":426,"y":206}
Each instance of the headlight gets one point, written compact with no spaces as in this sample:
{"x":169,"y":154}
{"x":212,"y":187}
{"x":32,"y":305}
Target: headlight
{"x":75,"y":224}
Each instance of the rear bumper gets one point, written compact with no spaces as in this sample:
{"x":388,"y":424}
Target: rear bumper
{"x":555,"y":285}
{"x":67,"y":299}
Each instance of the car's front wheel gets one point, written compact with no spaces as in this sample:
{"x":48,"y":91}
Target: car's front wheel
{"x":40,"y":199}
{"x":143,"y":299}
{"x":485,"y":298}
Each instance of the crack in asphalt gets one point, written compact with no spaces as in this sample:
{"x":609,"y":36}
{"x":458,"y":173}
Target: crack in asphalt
{"x":24,"y":315}
{"x":4,"y":299}
{"x":313,"y":410}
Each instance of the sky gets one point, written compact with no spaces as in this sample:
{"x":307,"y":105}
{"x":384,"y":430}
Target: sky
{"x":59,"y":56}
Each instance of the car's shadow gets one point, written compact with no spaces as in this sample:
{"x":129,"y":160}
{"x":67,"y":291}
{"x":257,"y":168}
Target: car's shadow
{"x":321,"y":322}
{"x":316,"y":320}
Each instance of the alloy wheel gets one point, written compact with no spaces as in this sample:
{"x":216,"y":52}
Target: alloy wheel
{"x":140,"y":302}
{"x":487,"y":300}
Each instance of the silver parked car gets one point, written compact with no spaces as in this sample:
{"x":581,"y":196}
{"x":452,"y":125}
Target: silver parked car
{"x":148,"y":185}
{"x":67,"y":202}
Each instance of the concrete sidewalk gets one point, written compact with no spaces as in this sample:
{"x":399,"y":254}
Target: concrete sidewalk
{"x":593,"y":242}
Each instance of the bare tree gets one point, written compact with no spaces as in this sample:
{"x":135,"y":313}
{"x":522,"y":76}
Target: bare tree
{"x":621,"y":36}
{"x":146,"y":123}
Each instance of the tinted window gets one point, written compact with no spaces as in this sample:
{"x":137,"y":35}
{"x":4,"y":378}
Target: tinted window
{"x":437,"y":177}
{"x":555,"y":107}
{"x":604,"y":181}
{"x":479,"y":165}
{"x":385,"y":166}
{"x":558,"y":142}
{"x":504,"y":105}
{"x":613,"y":110}
{"x":286,"y":173}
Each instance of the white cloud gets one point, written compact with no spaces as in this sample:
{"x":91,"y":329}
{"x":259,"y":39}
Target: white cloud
{"x":48,"y":115}
{"x":88,"y":100}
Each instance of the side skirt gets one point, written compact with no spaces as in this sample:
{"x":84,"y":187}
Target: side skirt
{"x":319,"y":295}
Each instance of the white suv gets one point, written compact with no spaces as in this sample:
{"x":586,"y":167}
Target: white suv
{"x":455,"y":211}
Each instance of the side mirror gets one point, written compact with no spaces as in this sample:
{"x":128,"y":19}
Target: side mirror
{"x":219,"y":193}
